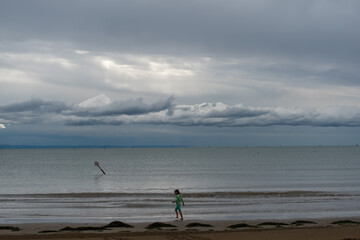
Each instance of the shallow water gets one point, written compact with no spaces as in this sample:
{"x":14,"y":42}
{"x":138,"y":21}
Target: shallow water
{"x":216,"y":183}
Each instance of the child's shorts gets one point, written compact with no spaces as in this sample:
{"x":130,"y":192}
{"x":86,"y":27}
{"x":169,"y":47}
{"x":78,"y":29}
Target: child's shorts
{"x":178,"y":208}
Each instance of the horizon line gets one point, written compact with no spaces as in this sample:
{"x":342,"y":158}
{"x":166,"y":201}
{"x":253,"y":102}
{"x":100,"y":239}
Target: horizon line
{"x":25,"y":146}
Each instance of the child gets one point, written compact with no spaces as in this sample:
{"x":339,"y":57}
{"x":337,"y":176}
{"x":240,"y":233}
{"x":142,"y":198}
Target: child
{"x":178,"y":201}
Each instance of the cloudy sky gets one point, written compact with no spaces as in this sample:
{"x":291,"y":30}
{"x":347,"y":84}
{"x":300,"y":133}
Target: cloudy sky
{"x":163,"y":72}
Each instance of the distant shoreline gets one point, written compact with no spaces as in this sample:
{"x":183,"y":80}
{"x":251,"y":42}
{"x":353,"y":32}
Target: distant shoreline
{"x":82,"y":146}
{"x":5,"y":146}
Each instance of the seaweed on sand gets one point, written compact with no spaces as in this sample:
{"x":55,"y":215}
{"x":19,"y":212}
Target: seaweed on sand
{"x":191,"y":225}
{"x":158,"y":225}
{"x":241,"y":225}
{"x":48,"y":231}
{"x":277,"y":224}
{"x":118,"y":224}
{"x":345,"y":222}
{"x":14,"y":229}
{"x":302,"y":222}
{"x":83,"y":229}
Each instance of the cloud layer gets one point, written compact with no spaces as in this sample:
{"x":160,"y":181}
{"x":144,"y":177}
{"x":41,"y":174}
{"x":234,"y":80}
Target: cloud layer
{"x":101,"y":110}
{"x":315,"y":28}
{"x":289,"y":63}
{"x":283,"y":53}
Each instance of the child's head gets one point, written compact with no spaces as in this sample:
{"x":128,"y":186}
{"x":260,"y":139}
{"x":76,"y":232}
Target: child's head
{"x":177,"y":191}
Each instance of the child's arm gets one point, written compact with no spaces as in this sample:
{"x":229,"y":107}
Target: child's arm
{"x":183,"y":202}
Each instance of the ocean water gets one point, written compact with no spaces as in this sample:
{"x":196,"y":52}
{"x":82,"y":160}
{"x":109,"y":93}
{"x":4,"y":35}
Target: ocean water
{"x":255,"y":183}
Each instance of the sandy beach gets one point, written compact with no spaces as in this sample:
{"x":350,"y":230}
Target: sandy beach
{"x":227,"y":230}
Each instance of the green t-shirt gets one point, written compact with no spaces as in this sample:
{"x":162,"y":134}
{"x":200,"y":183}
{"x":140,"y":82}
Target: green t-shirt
{"x":178,"y":200}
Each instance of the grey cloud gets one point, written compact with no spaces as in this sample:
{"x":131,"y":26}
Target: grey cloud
{"x":130,"y":107}
{"x":92,"y":122}
{"x":330,"y":117}
{"x":37,"y":111}
{"x":31,"y":111}
{"x":223,"y":115}
{"x":205,"y":114}
{"x":235,"y":111}
{"x":34,"y":106}
{"x":318,"y":28}
{"x":304,"y":44}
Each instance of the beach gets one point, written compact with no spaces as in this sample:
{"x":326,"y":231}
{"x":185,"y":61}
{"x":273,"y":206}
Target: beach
{"x":238,"y":193}
{"x":317,"y":230}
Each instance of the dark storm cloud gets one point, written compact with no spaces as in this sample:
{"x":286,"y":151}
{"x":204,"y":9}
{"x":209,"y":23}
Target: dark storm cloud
{"x":34,"y":106}
{"x":316,"y":28}
{"x":100,"y":111}
{"x":31,"y":111}
{"x":294,"y":42}
{"x":37,"y":110}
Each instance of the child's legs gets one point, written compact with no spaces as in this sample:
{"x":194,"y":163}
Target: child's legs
{"x":177,"y":208}
{"x":181,"y":215}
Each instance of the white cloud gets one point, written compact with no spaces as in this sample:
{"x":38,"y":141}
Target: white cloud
{"x":17,"y":76}
{"x":140,"y":66}
{"x":144,"y":73}
{"x":2,"y":126}
{"x":37,"y":59}
{"x":95,"y":102}
{"x":81,"y":52}
{"x":251,"y":79}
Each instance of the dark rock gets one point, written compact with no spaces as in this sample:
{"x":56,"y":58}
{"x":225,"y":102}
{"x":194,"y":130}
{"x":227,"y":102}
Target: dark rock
{"x":345,"y":222}
{"x":272,"y":224}
{"x":118,"y":224}
{"x":191,"y":225}
{"x":83,"y":229}
{"x":158,"y":225}
{"x":240,"y":225}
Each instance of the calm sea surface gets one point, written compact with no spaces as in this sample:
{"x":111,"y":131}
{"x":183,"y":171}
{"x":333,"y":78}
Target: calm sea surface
{"x":216,"y":183}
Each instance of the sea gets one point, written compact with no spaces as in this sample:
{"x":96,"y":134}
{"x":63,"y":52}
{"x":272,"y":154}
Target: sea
{"x":227,"y":183}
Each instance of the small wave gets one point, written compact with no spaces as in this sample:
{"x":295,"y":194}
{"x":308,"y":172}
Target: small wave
{"x":262,"y":194}
{"x":160,"y":196}
{"x":77,"y":195}
{"x":139,"y":205}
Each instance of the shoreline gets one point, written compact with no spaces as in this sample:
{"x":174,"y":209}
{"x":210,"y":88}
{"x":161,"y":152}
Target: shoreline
{"x":297,"y":229}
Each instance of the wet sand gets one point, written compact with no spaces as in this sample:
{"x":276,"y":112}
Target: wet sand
{"x":251,"y":230}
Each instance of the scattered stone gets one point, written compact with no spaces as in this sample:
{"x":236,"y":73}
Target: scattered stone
{"x":191,"y":225}
{"x":158,"y":225}
{"x":118,"y":224}
{"x":240,"y":225}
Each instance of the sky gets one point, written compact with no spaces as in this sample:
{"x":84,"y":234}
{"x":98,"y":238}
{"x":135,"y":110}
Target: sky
{"x":190,"y":72}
